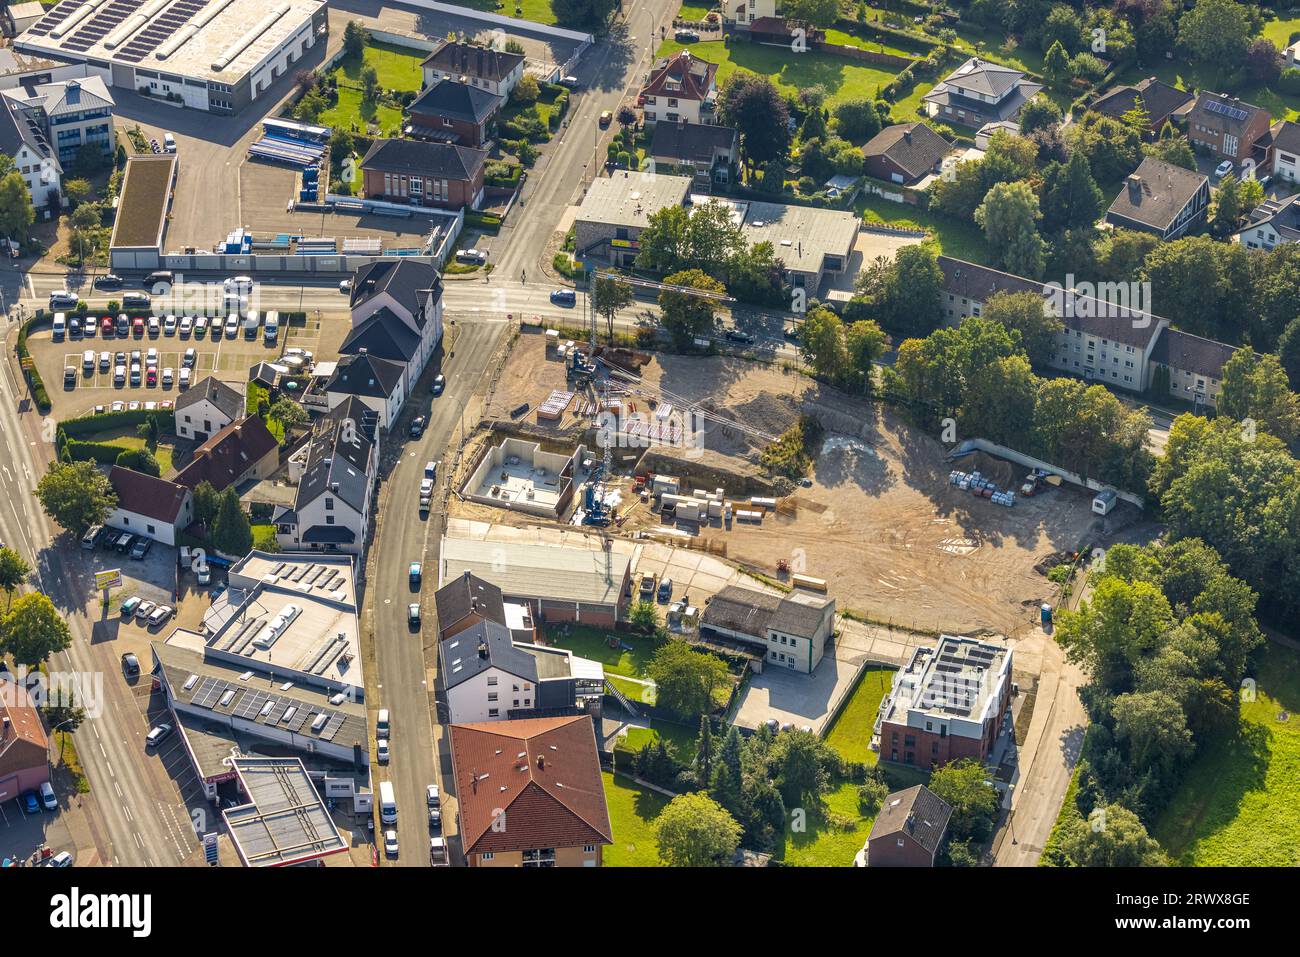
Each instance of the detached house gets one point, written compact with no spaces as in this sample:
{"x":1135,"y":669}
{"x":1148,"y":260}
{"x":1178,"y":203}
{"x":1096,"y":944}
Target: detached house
{"x":681,"y":87}
{"x":421,"y":173}
{"x":1161,"y":101}
{"x":149,"y":506}
{"x":1283,"y":158}
{"x":1161,"y":198}
{"x":792,"y":630}
{"x":465,"y":601}
{"x":206,"y":408}
{"x":22,"y":138}
{"x":739,"y":14}
{"x":1226,"y":126}
{"x":905,"y":153}
{"x":453,"y":112}
{"x":909,"y":829}
{"x":243,"y":451}
{"x":979,"y":92}
{"x":1271,"y":222}
{"x":336,"y":472}
{"x":530,"y":793}
{"x":495,"y":71}
{"x":24,"y":748}
{"x":709,"y":153}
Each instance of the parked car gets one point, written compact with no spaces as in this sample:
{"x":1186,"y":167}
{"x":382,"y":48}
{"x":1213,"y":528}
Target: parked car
{"x":426,"y":484}
{"x":186,"y":326}
{"x":184,"y":381}
{"x":47,"y":797}
{"x":571,"y":82}
{"x":735,"y":335}
{"x":105,"y":361}
{"x":686,"y":36}
{"x":417,"y":426}
{"x":62,"y":299}
{"x":190,"y":357}
{"x":130,"y":665}
{"x":123,"y":325}
{"x":151,"y":376}
{"x":232,"y":325}
{"x":432,"y":796}
{"x":108,"y":281}
{"x":382,"y":750}
{"x":431,"y":470}
{"x":160,"y":614}
{"x":200,"y":326}
{"x":169,"y":143}
{"x":154,"y":327}
{"x":119,"y":378}
{"x":137,"y":327}
{"x":345,"y":286}
{"x":70,"y":376}
{"x":439,"y":383}
{"x":141,"y":548}
{"x":158,"y":734}
{"x":151,"y":357}
{"x":390,"y":842}
{"x":169,"y":326}
{"x":415,"y":573}
{"x":130,"y":605}
{"x":88,"y":361}
{"x":476,"y":256}
{"x":167,"y":377}
{"x":31,"y":803}
{"x":106,"y":327}
{"x":413,"y":614}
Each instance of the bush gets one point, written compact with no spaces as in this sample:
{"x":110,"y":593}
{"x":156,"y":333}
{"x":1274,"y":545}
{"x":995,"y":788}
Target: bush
{"x":791,"y":454}
{"x":871,"y":796}
{"x":92,"y":424}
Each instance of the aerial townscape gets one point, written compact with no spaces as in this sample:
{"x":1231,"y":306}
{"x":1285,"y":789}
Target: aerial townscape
{"x":652,"y":433}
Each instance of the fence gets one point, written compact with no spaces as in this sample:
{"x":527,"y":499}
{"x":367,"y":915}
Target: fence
{"x":1028,"y":461}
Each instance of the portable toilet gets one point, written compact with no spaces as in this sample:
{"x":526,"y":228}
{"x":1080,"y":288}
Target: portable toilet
{"x":1045,"y":614}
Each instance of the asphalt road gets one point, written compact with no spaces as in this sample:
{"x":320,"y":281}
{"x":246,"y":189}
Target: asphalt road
{"x":405,"y":678}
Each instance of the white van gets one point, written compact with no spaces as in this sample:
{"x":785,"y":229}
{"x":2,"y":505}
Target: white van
{"x":387,"y":803}
{"x":381,"y":724}
{"x":60,"y":326}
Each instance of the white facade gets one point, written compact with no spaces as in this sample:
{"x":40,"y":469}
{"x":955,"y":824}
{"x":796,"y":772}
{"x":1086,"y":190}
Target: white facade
{"x":43,"y":176}
{"x":329,"y":509}
{"x":150,"y":527}
{"x":387,"y":408}
{"x":201,"y":420}
{"x":744,"y":12}
{"x":501,"y":87}
{"x":489,"y":696}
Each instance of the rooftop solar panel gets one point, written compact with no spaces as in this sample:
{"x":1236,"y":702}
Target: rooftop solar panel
{"x":332,"y":726}
{"x":250,"y":704}
{"x":210,"y":692}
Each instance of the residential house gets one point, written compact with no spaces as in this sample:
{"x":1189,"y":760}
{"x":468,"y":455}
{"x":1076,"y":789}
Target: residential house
{"x":243,"y":451}
{"x":1226,"y":126}
{"x":149,"y":506}
{"x":950,"y":701}
{"x":453,"y":112}
{"x":1271,"y":222}
{"x":1161,"y":198}
{"x":495,"y":71}
{"x":709,"y":153}
{"x":486,"y":676}
{"x":421,"y":173}
{"x":616,"y":208}
{"x":909,"y":829}
{"x":681,"y":87}
{"x":1102,"y":340}
{"x":1283,"y":158}
{"x":465,"y":601}
{"x":1161,"y":101}
{"x":792,"y":630}
{"x":378,"y":384}
{"x":979,"y":92}
{"x":542,"y":775}
{"x":905,"y":153}
{"x":207,"y":407}
{"x":336,"y":485}
{"x":739,"y":14}
{"x":23,"y":140}
{"x":24,"y":747}
{"x":70,"y":113}
{"x":1193,"y":366}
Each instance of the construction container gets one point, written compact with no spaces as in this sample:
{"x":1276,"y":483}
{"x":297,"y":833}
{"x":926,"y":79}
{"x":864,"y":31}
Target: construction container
{"x":745,"y":515}
{"x":808,"y":583}
{"x":665,"y":483}
{"x":687,"y":511}
{"x":715,"y":509}
{"x":765,"y":503}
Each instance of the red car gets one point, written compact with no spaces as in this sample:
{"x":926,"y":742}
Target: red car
{"x":137,"y":326}
{"x":106,"y":327}
{"x":151,"y":377}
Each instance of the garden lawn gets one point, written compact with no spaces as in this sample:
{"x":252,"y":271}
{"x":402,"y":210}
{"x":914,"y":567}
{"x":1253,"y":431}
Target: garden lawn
{"x":633,"y":690}
{"x":126,"y":438}
{"x":632,"y":811}
{"x":1237,"y":805}
{"x":952,"y":238}
{"x":827,"y":845}
{"x":590,"y":643}
{"x":843,"y":79}
{"x":350,"y":112}
{"x":1279,"y":31}
{"x":680,"y":738}
{"x":398,"y":67}
{"x":539,"y":11}
{"x":850,"y":735}
{"x":264,"y":537}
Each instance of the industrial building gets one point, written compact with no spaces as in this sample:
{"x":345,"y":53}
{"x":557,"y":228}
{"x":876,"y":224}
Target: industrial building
{"x":950,"y":701}
{"x":793,"y":629}
{"x":141,"y":223}
{"x":285,"y":821}
{"x":217,"y":56}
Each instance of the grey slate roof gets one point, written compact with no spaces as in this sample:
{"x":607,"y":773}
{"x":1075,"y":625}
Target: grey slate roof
{"x":1164,"y":190}
{"x":917,"y":811}
{"x":224,"y":397}
{"x":467,"y":594}
{"x":482,"y":646}
{"x":981,"y":76}
{"x":1159,"y":99}
{"x":1181,"y":350}
{"x":469,"y":59}
{"x":337,"y":455}
{"x":1283,"y":216}
{"x":405,"y":280}
{"x":365,"y":375}
{"x":913,"y":146}
{"x":1285,"y":136}
{"x":754,"y":612}
{"x":691,"y":141}
{"x":421,"y":158}
{"x":457,"y":101}
{"x":385,"y":335}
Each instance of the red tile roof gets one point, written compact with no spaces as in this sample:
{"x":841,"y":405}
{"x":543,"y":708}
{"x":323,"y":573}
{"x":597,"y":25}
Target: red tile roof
{"x":23,"y":744}
{"x":542,"y":774}
{"x":230,"y":453}
{"x":694,"y":77}
{"x":148,"y":496}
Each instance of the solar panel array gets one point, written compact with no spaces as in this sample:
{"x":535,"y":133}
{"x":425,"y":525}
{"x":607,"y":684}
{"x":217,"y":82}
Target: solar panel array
{"x":53,"y":17}
{"x":100,"y":24}
{"x":1223,"y":109}
{"x":160,"y":28}
{"x":248,"y":704}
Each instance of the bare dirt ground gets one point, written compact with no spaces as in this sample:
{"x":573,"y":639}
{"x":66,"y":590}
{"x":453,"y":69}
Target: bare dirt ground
{"x":881,"y":523}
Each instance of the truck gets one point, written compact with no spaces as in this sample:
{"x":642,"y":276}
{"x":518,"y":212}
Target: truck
{"x":387,"y":803}
{"x":647,"y":587}
{"x":271,"y":330}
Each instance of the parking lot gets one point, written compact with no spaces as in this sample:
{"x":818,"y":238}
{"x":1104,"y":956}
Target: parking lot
{"x":21,"y":833}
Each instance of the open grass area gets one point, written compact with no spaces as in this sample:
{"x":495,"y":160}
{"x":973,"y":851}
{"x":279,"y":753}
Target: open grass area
{"x":593,"y":643}
{"x":850,"y":735}
{"x":633,"y":690}
{"x":897,"y":46}
{"x":823,"y":844}
{"x":678,"y":736}
{"x":951,"y":237}
{"x":539,"y":11}
{"x":264,"y":537}
{"x":126,"y":438}
{"x":1237,"y":805}
{"x":632,"y":811}
{"x":843,"y":79}
{"x":1280,"y":30}
{"x":398,"y":68}
{"x":351,"y":112}
{"x":695,"y":11}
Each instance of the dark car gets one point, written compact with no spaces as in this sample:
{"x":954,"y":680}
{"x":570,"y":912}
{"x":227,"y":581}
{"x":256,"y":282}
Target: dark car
{"x":31,"y":803}
{"x":686,"y":36}
{"x":141,"y":548}
{"x":735,"y":335}
{"x":564,"y":297}
{"x":136,"y":302}
{"x":417,"y":426}
{"x":130,"y":665}
{"x":439,"y":383}
{"x":108,"y":281}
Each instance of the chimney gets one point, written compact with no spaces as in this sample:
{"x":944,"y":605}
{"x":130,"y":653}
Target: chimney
{"x":467,"y":576}
{"x":473,"y":780}
{"x":363,"y":351}
{"x":4,"y":729}
{"x":907,"y":136}
{"x":358,"y":759}
{"x":1134,"y":187}
{"x":541,"y":762}
{"x":482,"y":649}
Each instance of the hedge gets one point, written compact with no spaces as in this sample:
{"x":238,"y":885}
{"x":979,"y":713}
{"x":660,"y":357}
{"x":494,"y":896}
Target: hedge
{"x":34,"y":381}
{"x":104,"y":453}
{"x":93,"y":424}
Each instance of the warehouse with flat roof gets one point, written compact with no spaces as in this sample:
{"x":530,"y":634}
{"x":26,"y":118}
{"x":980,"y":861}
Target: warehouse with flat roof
{"x":142,"y":209}
{"x":217,"y":56}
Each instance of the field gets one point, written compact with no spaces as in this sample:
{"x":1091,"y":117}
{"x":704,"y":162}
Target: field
{"x":850,"y":735}
{"x":843,"y":79}
{"x":539,"y":11}
{"x":1237,"y":805}
{"x":398,"y":68}
{"x":632,"y":810}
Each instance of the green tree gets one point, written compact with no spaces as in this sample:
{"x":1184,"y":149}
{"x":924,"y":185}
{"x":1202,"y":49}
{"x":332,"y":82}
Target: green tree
{"x":1056,"y":66}
{"x":608,"y":296}
{"x":13,"y":571}
{"x":355,"y":38}
{"x":527,"y":90}
{"x":288,"y":412}
{"x":705,"y":751}
{"x":756,"y":109}
{"x":16,"y":212}
{"x":33,"y":629}
{"x":800,"y":776}
{"x":856,"y":119}
{"x":1256,"y":387}
{"x":695,"y":831}
{"x":76,"y":190}
{"x":643,"y":616}
{"x":1227,"y":206}
{"x":821,"y":341}
{"x":369,"y":84}
{"x":83,"y":220}
{"x":149,"y":430}
{"x":1009,"y":216}
{"x":685,"y":315}
{"x":1114,"y":837}
{"x":1174,"y":150}
{"x":76,"y":496}
{"x":1029,"y":314}
{"x":232,"y":532}
{"x":1136,"y":117}
{"x":864,"y":343}
{"x":820,"y":13}
{"x":1040,"y":113}
{"x":1118,"y":625}
{"x":676,"y":239}
{"x":1216,"y":32}
{"x":1071,"y":197}
{"x":587,"y":14}
{"x":1062,"y":26}
{"x":974,"y":801}
{"x":1153,"y":725}
{"x":207,"y":502}
{"x":686,"y":679}
{"x":1288,"y":352}
{"x":139,"y":460}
